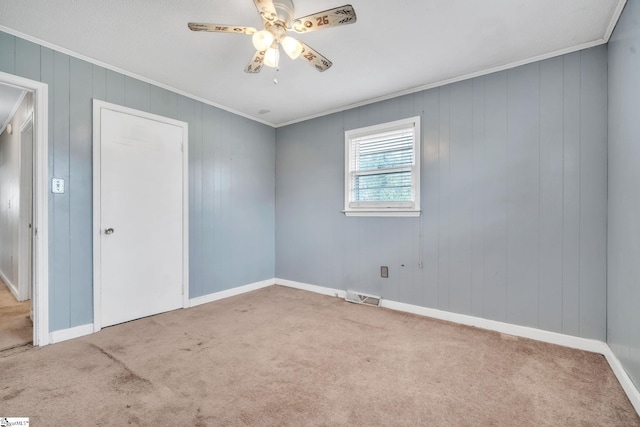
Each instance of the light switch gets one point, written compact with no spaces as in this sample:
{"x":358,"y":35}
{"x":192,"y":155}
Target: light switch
{"x":57,"y":185}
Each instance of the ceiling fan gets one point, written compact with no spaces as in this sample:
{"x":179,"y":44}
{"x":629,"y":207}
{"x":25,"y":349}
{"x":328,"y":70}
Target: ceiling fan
{"x":277,"y":19}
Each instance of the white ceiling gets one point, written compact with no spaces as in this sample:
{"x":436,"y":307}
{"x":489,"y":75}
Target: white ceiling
{"x":10,"y":98}
{"x":395,"y":47}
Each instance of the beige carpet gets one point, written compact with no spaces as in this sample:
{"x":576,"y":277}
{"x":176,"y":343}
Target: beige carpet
{"x":282,"y":357}
{"x":16,"y":329}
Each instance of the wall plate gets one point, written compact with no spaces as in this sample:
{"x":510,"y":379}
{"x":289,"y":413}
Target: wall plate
{"x":57,"y":185}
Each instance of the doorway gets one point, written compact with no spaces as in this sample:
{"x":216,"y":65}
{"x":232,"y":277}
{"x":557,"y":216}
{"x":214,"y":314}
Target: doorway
{"x":29,"y":200}
{"x":140,"y":214}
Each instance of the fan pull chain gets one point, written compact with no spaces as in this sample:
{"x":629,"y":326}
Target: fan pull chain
{"x":277,"y":64}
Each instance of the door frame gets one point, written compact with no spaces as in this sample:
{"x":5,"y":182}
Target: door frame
{"x":98,"y":106}
{"x":40,"y":297}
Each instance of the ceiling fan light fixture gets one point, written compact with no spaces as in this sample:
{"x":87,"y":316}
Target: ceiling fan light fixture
{"x":262,"y":40}
{"x":278,"y":18}
{"x":292,"y":47}
{"x":272,"y":57}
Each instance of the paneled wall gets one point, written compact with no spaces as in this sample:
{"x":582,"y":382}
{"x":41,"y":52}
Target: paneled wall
{"x":514,"y":200}
{"x":10,"y":194}
{"x":231,"y":179}
{"x":623,"y":314}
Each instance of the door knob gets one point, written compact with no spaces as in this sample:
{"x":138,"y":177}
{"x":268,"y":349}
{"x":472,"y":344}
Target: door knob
{"x":108,"y":231}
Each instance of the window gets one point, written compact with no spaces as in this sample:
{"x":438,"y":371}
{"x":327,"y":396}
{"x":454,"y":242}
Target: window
{"x":382,"y":169}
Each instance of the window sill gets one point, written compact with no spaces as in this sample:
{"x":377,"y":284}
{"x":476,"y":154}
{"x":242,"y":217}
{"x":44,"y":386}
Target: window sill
{"x":383,"y":213}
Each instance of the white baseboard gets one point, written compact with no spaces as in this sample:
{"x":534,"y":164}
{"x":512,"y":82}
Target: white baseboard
{"x":585,"y":344}
{"x":11,"y":286}
{"x":492,"y":325}
{"x":311,"y":288}
{"x":623,"y":378}
{"x":502,"y":327}
{"x":230,"y":292}
{"x":79,"y":331}
{"x":67,"y":334}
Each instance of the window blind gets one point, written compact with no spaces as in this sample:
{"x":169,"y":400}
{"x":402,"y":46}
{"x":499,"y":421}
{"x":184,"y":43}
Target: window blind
{"x":381,"y":166}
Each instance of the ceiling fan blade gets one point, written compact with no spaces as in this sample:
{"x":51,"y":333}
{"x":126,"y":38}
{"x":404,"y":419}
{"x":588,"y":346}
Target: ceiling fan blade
{"x":193,"y":26}
{"x":329,"y":18}
{"x":256,"y":64}
{"x":314,"y":58}
{"x":266,"y":9}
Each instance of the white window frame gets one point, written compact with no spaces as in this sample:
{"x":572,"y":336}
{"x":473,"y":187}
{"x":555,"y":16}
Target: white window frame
{"x":389,"y":208}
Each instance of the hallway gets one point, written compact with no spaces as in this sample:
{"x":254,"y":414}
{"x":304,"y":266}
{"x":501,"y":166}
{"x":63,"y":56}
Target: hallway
{"x":16,"y":328}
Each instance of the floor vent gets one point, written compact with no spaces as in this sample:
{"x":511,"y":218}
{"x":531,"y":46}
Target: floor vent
{"x":357,"y":298}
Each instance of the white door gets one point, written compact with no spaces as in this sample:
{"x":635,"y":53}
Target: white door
{"x":141,"y":217}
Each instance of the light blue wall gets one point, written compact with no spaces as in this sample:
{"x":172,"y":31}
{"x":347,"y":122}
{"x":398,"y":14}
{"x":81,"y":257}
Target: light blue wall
{"x":514,"y":193}
{"x":514,"y":200}
{"x":623,"y":314}
{"x":231,"y":179}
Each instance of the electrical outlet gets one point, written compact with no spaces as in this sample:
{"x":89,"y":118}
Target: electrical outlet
{"x":384,"y":271}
